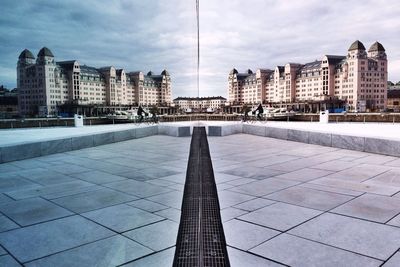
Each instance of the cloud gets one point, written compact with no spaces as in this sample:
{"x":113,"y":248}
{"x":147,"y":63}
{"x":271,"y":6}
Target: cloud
{"x":153,"y":35}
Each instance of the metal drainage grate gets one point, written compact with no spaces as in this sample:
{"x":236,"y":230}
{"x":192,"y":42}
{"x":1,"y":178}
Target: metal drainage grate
{"x":201,"y":240}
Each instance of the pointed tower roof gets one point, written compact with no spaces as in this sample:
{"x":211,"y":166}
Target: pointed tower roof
{"x":357,"y":45}
{"x":26,"y":54}
{"x":376,"y":47}
{"x":45,"y":52}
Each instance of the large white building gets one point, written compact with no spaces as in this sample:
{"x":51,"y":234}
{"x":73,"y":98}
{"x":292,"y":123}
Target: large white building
{"x":45,"y":84}
{"x":359,"y":79}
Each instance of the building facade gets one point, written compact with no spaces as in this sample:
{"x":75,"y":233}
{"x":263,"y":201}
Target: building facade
{"x":200,"y":103}
{"x":359,"y":79}
{"x":45,"y":84}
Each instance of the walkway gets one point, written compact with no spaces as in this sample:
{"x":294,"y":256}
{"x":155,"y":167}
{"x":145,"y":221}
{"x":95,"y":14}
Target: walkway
{"x":282,"y":203}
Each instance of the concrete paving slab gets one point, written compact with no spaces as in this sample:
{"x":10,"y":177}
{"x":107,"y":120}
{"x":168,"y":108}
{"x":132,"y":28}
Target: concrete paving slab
{"x":295,"y":251}
{"x":228,"y":199}
{"x":335,"y":165}
{"x":395,"y":221}
{"x":171,"y":199}
{"x":137,"y":188}
{"x":254,"y":204}
{"x":359,"y":173}
{"x":171,"y":214}
{"x":238,"y":258}
{"x":8,"y":261}
{"x":7,"y":224}
{"x":33,"y":242}
{"x":253,"y":172}
{"x":380,"y":189}
{"x":393,"y":261}
{"x":147,"y":205}
{"x":15,"y":182}
{"x":309,"y":198}
{"x":36,"y":190}
{"x":280,"y":216}
{"x":231,"y":213}
{"x":98,"y":177}
{"x":304,"y":175}
{"x":5,"y":199}
{"x":157,"y":236}
{"x":121,"y":218}
{"x":251,"y":235}
{"x":112,"y":251}
{"x":33,"y":210}
{"x":371,"y":207}
{"x":363,"y":237}
{"x":92,"y":200}
{"x":162,"y":258}
{"x":264,"y":187}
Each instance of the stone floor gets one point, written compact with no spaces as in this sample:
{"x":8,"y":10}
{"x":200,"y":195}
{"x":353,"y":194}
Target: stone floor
{"x":282,"y":203}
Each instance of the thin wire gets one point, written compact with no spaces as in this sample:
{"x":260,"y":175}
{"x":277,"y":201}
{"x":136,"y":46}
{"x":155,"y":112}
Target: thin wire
{"x":198,"y":55}
{"x":198,"y":49}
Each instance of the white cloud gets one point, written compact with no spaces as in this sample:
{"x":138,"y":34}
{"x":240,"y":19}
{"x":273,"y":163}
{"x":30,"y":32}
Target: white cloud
{"x":153,"y":35}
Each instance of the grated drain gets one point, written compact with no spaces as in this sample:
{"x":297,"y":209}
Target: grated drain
{"x":201,"y":239}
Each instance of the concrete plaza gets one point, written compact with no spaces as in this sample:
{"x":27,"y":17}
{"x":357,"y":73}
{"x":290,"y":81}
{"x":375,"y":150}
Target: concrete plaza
{"x":282,"y":203}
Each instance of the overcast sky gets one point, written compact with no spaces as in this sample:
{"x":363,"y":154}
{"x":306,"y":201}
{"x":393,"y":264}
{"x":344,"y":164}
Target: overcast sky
{"x":153,"y":35}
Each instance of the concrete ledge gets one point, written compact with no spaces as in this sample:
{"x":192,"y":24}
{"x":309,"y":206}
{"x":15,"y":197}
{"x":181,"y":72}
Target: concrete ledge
{"x":298,"y":136}
{"x":103,"y":139}
{"x":81,"y":142}
{"x":146,"y":131}
{"x":183,"y":131}
{"x":231,"y":129}
{"x":348,"y":142}
{"x":279,"y":133}
{"x":214,"y":130}
{"x":254,"y":129}
{"x":56,"y":146}
{"x":124,"y":135}
{"x":23,"y":151}
{"x":382,"y":146}
{"x":176,"y":131}
{"x":41,"y":148}
{"x":322,"y":139}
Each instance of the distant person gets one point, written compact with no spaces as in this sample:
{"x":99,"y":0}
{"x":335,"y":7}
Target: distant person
{"x":260,"y":111}
{"x":245,"y":110}
{"x":140,"y":112}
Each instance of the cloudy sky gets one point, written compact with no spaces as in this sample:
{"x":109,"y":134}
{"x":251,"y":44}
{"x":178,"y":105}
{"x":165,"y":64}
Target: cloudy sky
{"x":153,"y":35}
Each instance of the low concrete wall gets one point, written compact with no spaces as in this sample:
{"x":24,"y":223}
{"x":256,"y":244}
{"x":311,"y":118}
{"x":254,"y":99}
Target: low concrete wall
{"x":35,"y":149}
{"x":359,"y":143}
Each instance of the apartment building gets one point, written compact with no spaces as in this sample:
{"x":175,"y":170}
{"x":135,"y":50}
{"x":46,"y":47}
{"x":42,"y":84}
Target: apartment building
{"x":212,"y":102}
{"x":45,"y":84}
{"x":359,"y":79}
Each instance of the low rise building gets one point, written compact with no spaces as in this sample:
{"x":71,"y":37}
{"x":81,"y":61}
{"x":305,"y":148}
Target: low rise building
{"x":211,"y":103}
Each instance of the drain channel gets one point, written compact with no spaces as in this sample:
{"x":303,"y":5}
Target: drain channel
{"x":201,"y":239}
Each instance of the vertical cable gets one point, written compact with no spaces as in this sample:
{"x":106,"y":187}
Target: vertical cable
{"x":198,"y":49}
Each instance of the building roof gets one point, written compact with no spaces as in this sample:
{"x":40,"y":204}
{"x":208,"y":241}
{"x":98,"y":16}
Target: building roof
{"x":165,"y":72}
{"x":393,"y":93}
{"x":376,"y":47}
{"x":200,"y":98}
{"x":45,"y":52}
{"x":67,"y":64}
{"x":89,"y":70}
{"x":333,"y":59}
{"x":234,"y":71}
{"x":357,"y":45}
{"x":311,"y":65}
{"x":26,"y":54}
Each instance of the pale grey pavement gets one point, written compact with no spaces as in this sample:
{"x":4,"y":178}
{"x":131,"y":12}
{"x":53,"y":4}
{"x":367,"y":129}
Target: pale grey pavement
{"x":282,"y":203}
